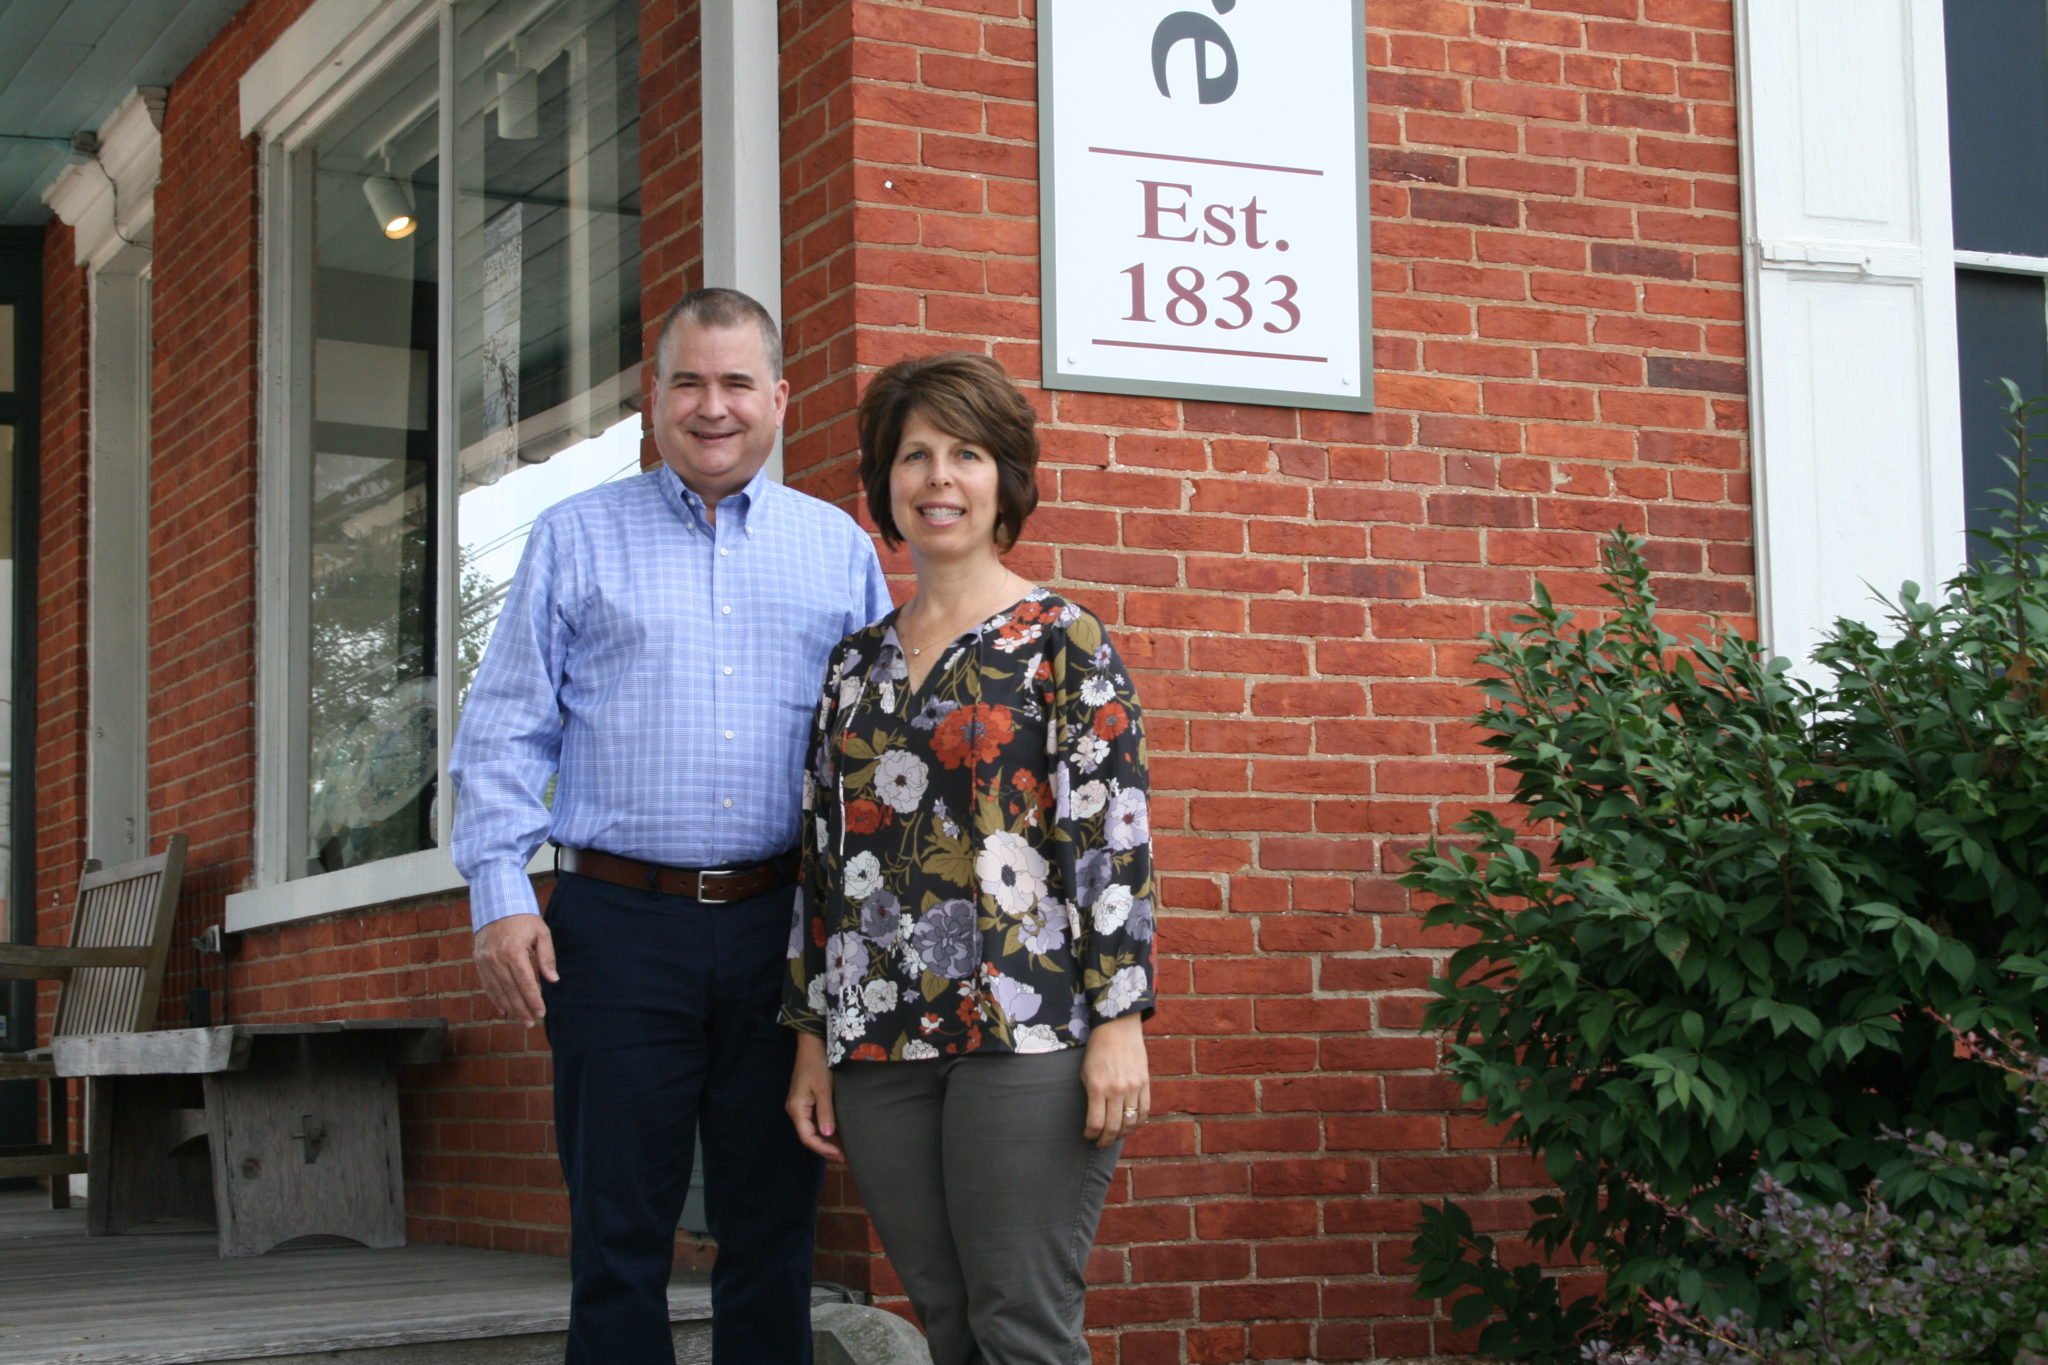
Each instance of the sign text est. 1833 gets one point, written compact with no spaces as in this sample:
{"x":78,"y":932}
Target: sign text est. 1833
{"x":1226,"y":153}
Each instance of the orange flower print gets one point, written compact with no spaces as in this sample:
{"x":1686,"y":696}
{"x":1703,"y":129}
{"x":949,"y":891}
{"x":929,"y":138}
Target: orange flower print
{"x":1033,"y":790}
{"x":976,"y":733}
{"x":818,"y":935}
{"x":870,"y":1052}
{"x":863,"y":817}
{"x":1111,"y":721}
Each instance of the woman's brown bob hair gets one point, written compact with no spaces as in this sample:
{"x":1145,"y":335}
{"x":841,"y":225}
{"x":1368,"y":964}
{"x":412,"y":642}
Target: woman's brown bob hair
{"x":963,"y":395}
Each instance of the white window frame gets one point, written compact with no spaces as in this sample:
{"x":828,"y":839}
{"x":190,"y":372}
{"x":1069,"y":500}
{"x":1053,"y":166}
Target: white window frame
{"x":316,"y":65}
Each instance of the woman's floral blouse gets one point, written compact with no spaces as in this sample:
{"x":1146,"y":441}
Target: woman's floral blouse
{"x":977,"y":860}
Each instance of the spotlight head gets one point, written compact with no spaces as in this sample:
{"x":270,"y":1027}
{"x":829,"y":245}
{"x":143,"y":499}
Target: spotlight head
{"x":391,"y":201}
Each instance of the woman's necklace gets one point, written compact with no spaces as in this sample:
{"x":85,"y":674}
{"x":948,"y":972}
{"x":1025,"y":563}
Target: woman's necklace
{"x":917,"y":651}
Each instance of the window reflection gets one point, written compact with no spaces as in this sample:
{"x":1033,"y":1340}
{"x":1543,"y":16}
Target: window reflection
{"x":374,"y":486}
{"x":548,"y":311}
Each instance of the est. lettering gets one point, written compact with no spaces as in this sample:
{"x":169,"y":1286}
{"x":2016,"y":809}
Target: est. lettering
{"x":1222,"y":224}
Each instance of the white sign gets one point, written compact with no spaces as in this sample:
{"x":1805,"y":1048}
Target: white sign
{"x":1204,"y":222}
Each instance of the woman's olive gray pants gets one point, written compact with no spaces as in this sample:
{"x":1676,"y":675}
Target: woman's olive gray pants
{"x":986,"y":1195}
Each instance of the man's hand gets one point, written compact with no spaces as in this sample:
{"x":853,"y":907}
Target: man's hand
{"x":810,"y":1098}
{"x":512,"y":954}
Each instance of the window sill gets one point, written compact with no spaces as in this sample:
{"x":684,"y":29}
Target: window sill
{"x":430,"y":872}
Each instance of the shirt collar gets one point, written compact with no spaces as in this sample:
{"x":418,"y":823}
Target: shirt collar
{"x":745,"y":506}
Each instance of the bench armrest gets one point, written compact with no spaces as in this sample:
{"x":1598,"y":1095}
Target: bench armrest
{"x":28,"y":962}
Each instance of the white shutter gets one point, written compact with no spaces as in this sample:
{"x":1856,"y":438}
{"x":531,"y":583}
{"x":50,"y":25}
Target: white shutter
{"x":1848,"y":258}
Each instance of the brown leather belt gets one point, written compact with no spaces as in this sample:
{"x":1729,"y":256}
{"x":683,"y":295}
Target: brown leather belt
{"x":711,"y":885}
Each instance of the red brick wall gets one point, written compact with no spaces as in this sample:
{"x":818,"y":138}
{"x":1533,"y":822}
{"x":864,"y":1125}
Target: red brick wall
{"x":1559,"y":351}
{"x":671,"y":163}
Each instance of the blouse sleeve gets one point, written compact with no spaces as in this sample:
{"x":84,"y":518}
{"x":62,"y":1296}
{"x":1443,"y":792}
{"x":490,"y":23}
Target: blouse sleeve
{"x":1102,"y":837}
{"x":801,"y":1009}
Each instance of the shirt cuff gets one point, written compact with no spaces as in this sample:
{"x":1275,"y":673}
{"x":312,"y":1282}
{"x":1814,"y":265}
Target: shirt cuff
{"x":499,"y":890}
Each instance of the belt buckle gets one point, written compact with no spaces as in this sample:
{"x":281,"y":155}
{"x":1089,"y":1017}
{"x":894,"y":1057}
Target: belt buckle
{"x":704,"y":894}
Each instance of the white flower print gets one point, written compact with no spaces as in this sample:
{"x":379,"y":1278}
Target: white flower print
{"x":848,"y":1025}
{"x":1037,"y":1038}
{"x":1089,"y":799}
{"x":1089,"y":751}
{"x":1129,"y":824}
{"x":1122,"y":992}
{"x":835,"y":1051}
{"x":824,"y":839}
{"x":849,"y":692}
{"x":1011,"y":871}
{"x":900,"y":779}
{"x":888,"y":697}
{"x":814,"y":995}
{"x":810,"y":793}
{"x":1098,"y":690}
{"x":799,"y":920}
{"x":846,"y":961}
{"x":918,"y":1050}
{"x":1112,"y":908}
{"x":863,"y":876}
{"x":879,"y":995}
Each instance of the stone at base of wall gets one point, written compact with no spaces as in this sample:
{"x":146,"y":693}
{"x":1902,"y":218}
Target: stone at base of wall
{"x":855,"y":1334}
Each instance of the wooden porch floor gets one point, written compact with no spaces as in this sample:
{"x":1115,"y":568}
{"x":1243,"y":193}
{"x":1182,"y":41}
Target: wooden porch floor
{"x":163,"y":1296}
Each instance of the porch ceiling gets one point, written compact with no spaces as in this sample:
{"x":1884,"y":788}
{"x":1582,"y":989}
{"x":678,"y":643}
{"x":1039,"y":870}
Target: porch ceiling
{"x":66,"y":64}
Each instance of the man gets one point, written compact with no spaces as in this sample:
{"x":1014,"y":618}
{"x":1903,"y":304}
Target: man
{"x":659,"y":657}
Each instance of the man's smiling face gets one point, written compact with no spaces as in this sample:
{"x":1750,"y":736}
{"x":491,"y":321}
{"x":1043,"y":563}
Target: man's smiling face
{"x":717,"y":406}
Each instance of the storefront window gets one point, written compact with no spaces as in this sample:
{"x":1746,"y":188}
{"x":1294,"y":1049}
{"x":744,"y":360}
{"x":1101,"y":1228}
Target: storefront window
{"x":464,"y":350}
{"x":371,"y":549}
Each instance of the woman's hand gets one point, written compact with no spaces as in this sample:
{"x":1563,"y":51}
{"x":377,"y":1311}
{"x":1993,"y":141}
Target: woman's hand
{"x":810,"y":1098}
{"x":1116,"y":1075}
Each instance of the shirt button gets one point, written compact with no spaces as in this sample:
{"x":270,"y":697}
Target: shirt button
{"x":728,"y":734}
{"x":728,"y":803}
{"x":726,"y":610}
{"x":728,"y":670}
{"x":723,"y":552}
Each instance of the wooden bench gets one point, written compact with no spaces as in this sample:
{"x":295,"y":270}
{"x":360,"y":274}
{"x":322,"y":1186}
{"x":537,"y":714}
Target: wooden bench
{"x":269,"y":1131}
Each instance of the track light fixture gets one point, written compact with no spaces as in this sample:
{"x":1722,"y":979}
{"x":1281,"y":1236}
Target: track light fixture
{"x":391,"y":201}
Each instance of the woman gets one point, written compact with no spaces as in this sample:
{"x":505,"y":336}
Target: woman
{"x":971,"y":962}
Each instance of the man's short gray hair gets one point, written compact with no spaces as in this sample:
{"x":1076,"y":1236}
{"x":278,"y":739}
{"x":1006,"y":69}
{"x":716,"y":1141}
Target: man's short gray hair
{"x":723,"y":308}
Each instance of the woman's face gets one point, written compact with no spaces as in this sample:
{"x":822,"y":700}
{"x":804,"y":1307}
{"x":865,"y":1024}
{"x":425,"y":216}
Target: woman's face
{"x":943,"y":493}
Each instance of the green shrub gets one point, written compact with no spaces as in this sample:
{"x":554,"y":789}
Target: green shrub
{"x":1710,"y":949}
{"x":1878,"y":1288}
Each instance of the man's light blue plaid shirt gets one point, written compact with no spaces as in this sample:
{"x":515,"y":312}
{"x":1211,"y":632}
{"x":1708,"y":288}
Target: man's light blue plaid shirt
{"x":667,"y":669}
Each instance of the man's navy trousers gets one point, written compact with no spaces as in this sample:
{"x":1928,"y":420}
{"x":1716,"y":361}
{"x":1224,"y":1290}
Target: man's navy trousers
{"x":663,"y":1025}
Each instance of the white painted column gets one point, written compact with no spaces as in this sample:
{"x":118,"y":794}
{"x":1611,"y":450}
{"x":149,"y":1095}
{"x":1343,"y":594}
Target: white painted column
{"x":742,"y":80}
{"x":110,"y":204}
{"x":117,"y":762}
